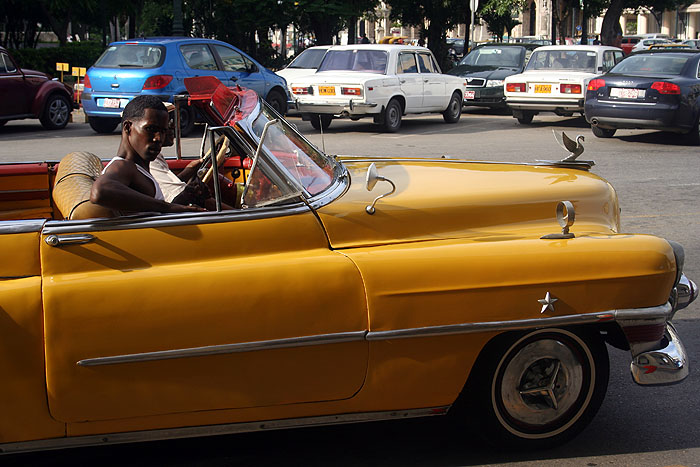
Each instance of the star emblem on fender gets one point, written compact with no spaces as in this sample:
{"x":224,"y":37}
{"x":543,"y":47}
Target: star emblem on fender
{"x":547,"y":302}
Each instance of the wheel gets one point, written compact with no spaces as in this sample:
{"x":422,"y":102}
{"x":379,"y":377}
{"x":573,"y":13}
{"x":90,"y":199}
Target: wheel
{"x":693,"y":136}
{"x":277,"y":101}
{"x":187,"y":119}
{"x":525,"y":117}
{"x":392,"y":116}
{"x":454,"y":109}
{"x":603,"y":132}
{"x":541,"y":389}
{"x":321,"y":121}
{"x":56,"y":112}
{"x":103,"y":125}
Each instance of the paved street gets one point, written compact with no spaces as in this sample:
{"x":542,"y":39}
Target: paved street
{"x":657,"y":179}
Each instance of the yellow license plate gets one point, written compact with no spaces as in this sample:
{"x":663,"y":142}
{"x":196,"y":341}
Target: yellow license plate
{"x":543,"y":88}
{"x":326,"y":90}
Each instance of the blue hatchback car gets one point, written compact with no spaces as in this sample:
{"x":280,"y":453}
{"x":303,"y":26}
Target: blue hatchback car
{"x":159,"y":65}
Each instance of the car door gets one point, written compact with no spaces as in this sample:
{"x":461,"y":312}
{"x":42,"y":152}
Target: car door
{"x":176,"y":314}
{"x":410,"y":80}
{"x":434,"y":94}
{"x":14,"y":95}
{"x":239,"y":69}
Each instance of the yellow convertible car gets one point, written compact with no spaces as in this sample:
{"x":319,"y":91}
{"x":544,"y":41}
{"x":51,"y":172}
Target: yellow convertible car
{"x":341,"y":289}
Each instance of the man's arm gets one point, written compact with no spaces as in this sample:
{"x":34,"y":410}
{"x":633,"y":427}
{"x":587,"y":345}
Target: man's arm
{"x":112,"y":190}
{"x":191,"y":168}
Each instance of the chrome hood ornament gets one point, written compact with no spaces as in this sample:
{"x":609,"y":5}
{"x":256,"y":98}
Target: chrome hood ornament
{"x":566,"y":215}
{"x":575,"y":149}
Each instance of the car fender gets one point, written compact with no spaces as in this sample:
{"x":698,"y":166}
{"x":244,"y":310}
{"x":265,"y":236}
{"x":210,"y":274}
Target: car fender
{"x":48,"y":88}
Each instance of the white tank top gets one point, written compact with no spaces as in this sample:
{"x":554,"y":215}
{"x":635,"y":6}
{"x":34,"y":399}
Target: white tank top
{"x":158,"y":194}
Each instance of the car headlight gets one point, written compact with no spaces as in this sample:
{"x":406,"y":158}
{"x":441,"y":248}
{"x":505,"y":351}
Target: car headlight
{"x":492,"y":83}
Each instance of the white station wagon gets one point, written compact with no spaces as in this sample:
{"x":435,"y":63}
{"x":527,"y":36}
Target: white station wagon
{"x":555,"y":79}
{"x":380,"y":81}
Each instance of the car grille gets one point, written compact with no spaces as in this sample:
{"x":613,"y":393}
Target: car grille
{"x":476,"y":82}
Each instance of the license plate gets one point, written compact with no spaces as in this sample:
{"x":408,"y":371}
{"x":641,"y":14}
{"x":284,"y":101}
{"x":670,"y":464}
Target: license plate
{"x":627,"y":93}
{"x":543,"y":88}
{"x":469,"y":94}
{"x":326,"y":90}
{"x":112,"y":103}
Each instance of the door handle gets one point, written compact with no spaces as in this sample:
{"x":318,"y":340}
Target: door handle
{"x":426,"y":80}
{"x":72,"y":239}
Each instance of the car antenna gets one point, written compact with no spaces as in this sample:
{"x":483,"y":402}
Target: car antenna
{"x":323,"y":141}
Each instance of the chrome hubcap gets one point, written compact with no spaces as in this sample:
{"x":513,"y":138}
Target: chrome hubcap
{"x":541,"y":383}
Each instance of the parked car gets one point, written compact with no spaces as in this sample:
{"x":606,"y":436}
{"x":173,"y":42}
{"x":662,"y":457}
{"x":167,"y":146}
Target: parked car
{"x":383,"y":81}
{"x":694,"y":43}
{"x":306,"y":63}
{"x":656,"y":90}
{"x":555,"y":79}
{"x":27,"y":93}
{"x":334,"y":318}
{"x":456,"y":44}
{"x":486,"y":67}
{"x":628,"y":43}
{"x":159,"y":65}
{"x":645,"y":44}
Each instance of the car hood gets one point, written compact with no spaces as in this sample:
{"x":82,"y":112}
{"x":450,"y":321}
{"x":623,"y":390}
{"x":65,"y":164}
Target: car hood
{"x":441,"y":199}
{"x":486,"y":72}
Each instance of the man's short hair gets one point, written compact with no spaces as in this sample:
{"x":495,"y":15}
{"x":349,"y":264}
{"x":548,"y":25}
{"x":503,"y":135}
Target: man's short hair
{"x":136,"y":108}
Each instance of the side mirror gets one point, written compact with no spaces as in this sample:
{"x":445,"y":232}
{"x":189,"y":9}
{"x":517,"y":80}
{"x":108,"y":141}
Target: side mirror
{"x":372,"y":177}
{"x":371,"y":180}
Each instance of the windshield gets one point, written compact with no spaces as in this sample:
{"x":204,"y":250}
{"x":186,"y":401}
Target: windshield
{"x":306,"y":165}
{"x":368,"y":61}
{"x":309,"y":58}
{"x":494,"y":56}
{"x":576,"y":60}
{"x":647,"y":64}
{"x":132,"y":56}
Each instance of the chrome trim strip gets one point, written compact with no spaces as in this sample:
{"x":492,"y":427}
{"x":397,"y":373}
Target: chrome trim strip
{"x":626,"y":102}
{"x":465,"y":328}
{"x":663,"y":311}
{"x":15,"y":227}
{"x":140,"y":221}
{"x":227,"y":348}
{"x":213,"y":430}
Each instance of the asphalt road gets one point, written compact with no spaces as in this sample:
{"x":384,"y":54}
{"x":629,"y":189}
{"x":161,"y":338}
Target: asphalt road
{"x":657,"y":178}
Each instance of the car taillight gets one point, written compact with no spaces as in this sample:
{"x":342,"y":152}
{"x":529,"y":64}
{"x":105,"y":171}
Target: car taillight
{"x":157,"y":82}
{"x":351,"y":91}
{"x":302,"y":90}
{"x":86,"y":82}
{"x":595,"y":84}
{"x":570,"y":89}
{"x":664,"y":87}
{"x":516,"y":87}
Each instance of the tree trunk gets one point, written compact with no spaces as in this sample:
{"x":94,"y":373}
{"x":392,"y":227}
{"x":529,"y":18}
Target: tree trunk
{"x":611,"y":23}
{"x":283,"y":42}
{"x":438,"y":45}
{"x":352,"y":30}
{"x":554,"y":23}
{"x":132,"y":26}
{"x":467,"y":29}
{"x":584,"y":23}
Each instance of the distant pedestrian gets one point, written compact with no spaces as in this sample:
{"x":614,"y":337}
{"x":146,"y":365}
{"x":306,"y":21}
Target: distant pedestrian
{"x":364,"y":39}
{"x":421,"y":42}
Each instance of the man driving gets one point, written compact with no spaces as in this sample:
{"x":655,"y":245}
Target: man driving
{"x":126,"y":183}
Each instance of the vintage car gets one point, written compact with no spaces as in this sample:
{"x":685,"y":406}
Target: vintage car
{"x":384,"y":81}
{"x":555,"y":79}
{"x":344,"y":289}
{"x":27,"y":93}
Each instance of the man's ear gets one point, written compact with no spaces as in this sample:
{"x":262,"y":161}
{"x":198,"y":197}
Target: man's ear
{"x":126,"y":125}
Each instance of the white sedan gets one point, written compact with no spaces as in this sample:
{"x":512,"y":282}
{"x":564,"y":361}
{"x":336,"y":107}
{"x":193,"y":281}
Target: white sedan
{"x":383,"y":81}
{"x":555,"y":79}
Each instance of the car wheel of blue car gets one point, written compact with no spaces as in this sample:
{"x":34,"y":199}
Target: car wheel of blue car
{"x":277,"y":101}
{"x":187,"y":119}
{"x":56,"y":112}
{"x":103,"y":125}
{"x":542,"y":388}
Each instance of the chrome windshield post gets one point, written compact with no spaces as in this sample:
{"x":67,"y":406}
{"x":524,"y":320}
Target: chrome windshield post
{"x":215,"y":165}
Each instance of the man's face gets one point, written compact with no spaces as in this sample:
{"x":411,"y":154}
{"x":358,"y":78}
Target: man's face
{"x":146,"y":135}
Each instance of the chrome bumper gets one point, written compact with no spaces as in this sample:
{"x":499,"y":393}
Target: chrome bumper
{"x":338,"y":108}
{"x":668,"y":365}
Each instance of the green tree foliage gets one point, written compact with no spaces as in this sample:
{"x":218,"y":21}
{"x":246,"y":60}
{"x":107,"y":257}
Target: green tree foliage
{"x":499,"y":15}
{"x":440,"y":15}
{"x":611,"y":21}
